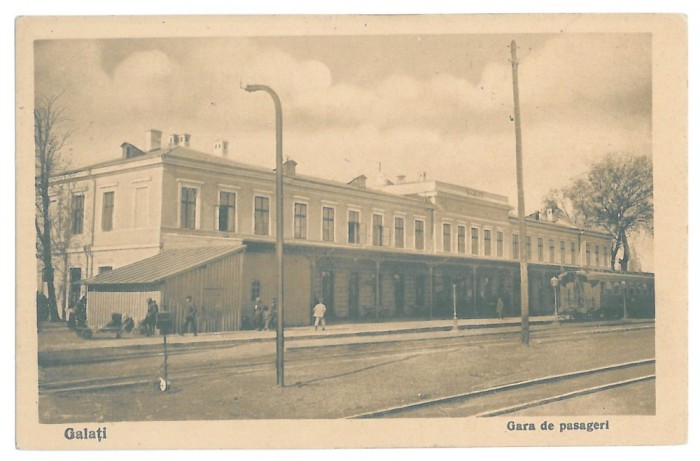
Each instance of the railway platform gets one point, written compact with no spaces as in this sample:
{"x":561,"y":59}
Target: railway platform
{"x":58,"y":345}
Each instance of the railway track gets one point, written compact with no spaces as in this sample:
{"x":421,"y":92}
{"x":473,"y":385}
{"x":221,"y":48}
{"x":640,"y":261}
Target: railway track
{"x":187,"y":372}
{"x":349,"y":352}
{"x":523,"y":394}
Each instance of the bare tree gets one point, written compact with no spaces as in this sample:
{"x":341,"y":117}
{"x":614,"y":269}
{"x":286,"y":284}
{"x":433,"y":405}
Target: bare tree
{"x":50,"y":135}
{"x":617,"y":195}
{"x":556,"y":201}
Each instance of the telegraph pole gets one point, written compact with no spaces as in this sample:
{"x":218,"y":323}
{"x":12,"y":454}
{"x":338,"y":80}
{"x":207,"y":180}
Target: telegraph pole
{"x":524,"y":307}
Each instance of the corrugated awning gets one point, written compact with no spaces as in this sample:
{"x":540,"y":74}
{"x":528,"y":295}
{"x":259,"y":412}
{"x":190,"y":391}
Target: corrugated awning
{"x":163,"y":265}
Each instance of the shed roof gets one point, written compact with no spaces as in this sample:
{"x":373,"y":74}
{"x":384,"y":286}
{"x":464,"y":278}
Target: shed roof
{"x":163,"y":265}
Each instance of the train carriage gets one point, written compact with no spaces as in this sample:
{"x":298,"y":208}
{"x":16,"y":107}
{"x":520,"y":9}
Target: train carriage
{"x":588,"y":295}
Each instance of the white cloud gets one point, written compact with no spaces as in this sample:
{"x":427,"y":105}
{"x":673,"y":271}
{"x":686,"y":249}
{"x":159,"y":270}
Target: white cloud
{"x":457,"y":129}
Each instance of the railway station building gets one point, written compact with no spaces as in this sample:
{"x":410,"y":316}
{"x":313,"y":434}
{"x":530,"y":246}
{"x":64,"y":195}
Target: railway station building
{"x":165,"y":221}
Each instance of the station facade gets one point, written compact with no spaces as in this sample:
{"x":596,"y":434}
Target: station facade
{"x":406,"y":248}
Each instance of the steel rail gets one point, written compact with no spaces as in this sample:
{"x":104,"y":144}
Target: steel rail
{"x":497,"y":389}
{"x":567,"y":395}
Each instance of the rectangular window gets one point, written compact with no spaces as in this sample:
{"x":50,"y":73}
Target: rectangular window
{"x":475,"y":241}
{"x":461,"y":239}
{"x":328,"y":224}
{"x":188,"y":207}
{"x":420,"y":234}
{"x":77,"y":214}
{"x":606,"y":259}
{"x":377,"y":230}
{"x":104,"y":269}
{"x":262,"y":216}
{"x":540,"y":249}
{"x":597,"y":255}
{"x":353,"y":226}
{"x":255,"y":290}
{"x":528,"y":247}
{"x":573,"y":253}
{"x":107,"y":211}
{"x":499,"y":244}
{"x":300,"y":221}
{"x":227,"y":211}
{"x":399,"y":232}
{"x":447,"y":237}
{"x":551,"y":251}
{"x":588,"y":254}
{"x":562,"y":252}
{"x":516,"y":246}
{"x":487,"y":242}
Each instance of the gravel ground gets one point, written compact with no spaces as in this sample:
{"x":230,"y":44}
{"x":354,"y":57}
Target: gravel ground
{"x":351,"y":384}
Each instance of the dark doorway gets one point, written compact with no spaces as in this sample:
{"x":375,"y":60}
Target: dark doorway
{"x":354,"y":295}
{"x":399,"y":293}
{"x":74,"y":277}
{"x":327,"y":290}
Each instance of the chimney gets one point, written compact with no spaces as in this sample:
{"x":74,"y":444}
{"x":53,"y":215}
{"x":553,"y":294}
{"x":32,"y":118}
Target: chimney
{"x":550,"y":215}
{"x":422,"y":176}
{"x":153,"y":139}
{"x":185,"y":140}
{"x":289,"y":168}
{"x":400,"y":179}
{"x":174,"y":140}
{"x":221,"y":148}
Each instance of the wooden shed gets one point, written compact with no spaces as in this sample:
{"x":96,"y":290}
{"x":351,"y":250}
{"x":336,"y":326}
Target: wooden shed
{"x":211,"y":275}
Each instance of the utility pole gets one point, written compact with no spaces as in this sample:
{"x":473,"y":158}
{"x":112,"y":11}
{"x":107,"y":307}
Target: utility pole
{"x":524,"y":307}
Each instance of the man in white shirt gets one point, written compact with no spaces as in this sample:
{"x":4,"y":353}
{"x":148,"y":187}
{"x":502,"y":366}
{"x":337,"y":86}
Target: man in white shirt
{"x":319,"y":312}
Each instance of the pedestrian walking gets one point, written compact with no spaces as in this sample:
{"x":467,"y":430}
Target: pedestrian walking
{"x":273,"y":313}
{"x":499,"y":308}
{"x":70,"y":317}
{"x":190,"y":317}
{"x":266,"y":316}
{"x":319,"y":313}
{"x":81,"y":313}
{"x":257,"y":315}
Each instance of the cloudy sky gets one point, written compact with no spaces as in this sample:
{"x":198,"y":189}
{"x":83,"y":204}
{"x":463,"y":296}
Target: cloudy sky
{"x":439,"y":103}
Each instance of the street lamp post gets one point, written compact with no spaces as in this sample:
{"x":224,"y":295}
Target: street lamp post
{"x":279,"y":216}
{"x":555,"y":282}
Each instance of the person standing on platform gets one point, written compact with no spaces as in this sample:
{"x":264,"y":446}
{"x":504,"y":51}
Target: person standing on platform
{"x":319,"y":314}
{"x":190,"y":317}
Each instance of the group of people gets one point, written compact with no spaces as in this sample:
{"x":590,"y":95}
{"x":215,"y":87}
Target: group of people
{"x":77,"y":316}
{"x":189,"y":324}
{"x":264,"y":316}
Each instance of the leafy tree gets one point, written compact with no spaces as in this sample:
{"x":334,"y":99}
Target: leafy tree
{"x":616,"y":194}
{"x":49,"y":138}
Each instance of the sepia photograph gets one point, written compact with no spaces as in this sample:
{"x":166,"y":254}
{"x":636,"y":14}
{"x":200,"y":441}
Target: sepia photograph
{"x":397,"y":231}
